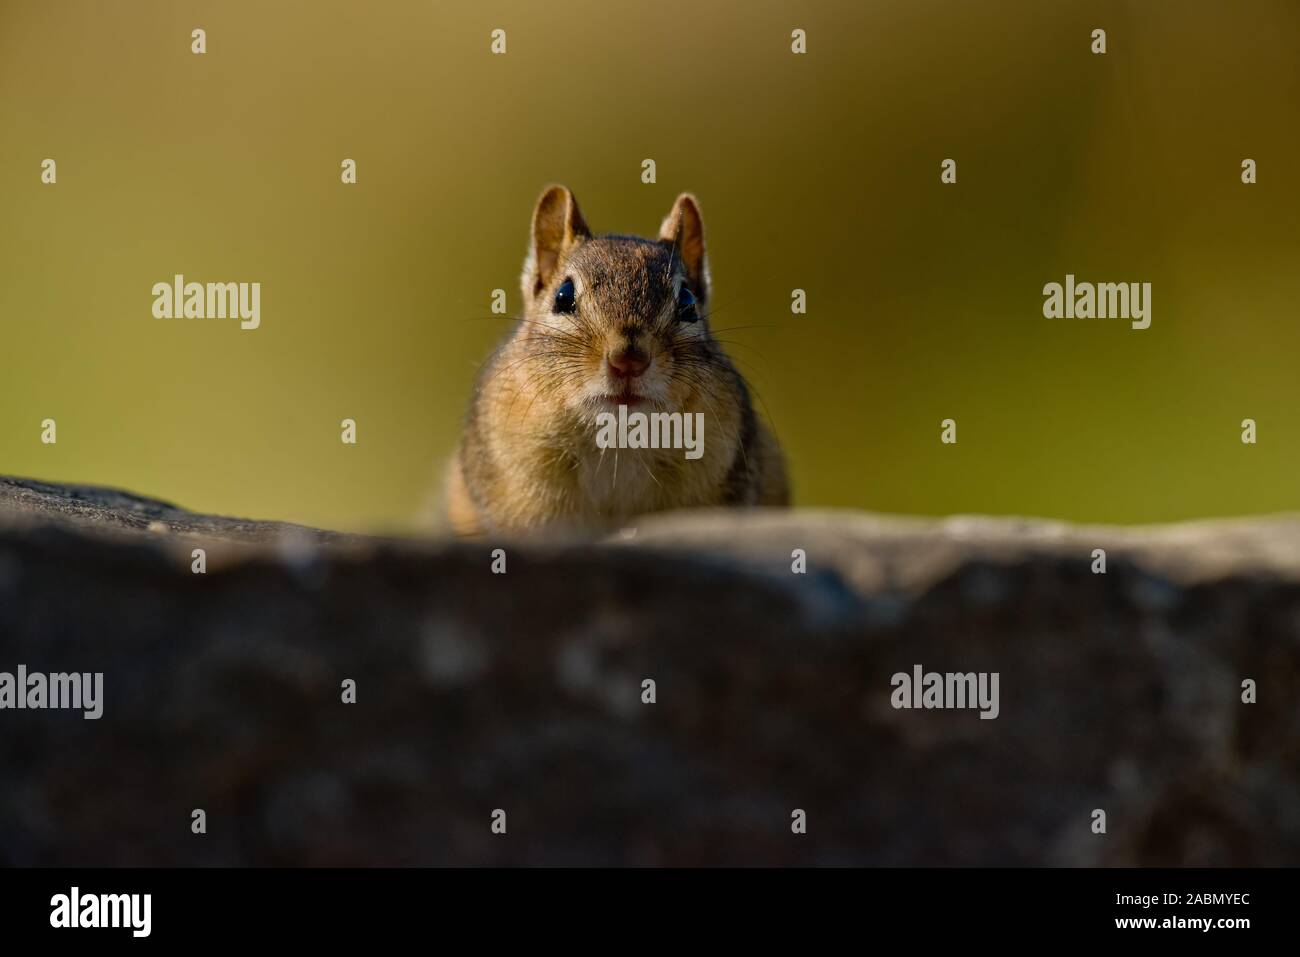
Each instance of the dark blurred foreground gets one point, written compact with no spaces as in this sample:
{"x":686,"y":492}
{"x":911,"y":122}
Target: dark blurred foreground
{"x":523,"y":692}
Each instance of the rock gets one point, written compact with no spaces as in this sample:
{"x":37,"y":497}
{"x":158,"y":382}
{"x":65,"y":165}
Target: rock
{"x":523,"y":692}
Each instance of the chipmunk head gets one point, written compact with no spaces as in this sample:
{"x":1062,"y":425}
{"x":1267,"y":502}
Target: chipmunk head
{"x":617,"y":320}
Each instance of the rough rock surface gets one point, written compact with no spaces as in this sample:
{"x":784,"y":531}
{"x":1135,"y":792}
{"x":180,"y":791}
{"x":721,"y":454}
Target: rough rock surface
{"x":522,"y":692}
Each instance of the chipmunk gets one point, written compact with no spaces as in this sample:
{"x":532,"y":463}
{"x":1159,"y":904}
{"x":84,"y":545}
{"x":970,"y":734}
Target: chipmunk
{"x":609,"y":322}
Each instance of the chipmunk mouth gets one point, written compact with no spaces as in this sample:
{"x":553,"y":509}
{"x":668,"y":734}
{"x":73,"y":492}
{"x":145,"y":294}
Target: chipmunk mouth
{"x":627,"y":396}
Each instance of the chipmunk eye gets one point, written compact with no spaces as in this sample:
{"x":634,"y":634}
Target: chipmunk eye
{"x":686,"y":308}
{"x":564,"y":297}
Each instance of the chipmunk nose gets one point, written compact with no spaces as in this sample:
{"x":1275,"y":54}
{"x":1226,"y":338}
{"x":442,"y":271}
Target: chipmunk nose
{"x":627,"y":363}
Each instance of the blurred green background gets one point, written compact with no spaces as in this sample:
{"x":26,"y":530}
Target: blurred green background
{"x":818,"y":171}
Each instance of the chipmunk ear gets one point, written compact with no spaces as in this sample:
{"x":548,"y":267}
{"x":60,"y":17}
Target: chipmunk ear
{"x":684,"y":228}
{"x":558,"y":226}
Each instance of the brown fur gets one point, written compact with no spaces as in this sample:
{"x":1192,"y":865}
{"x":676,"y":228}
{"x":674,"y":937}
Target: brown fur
{"x":528,"y":457}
